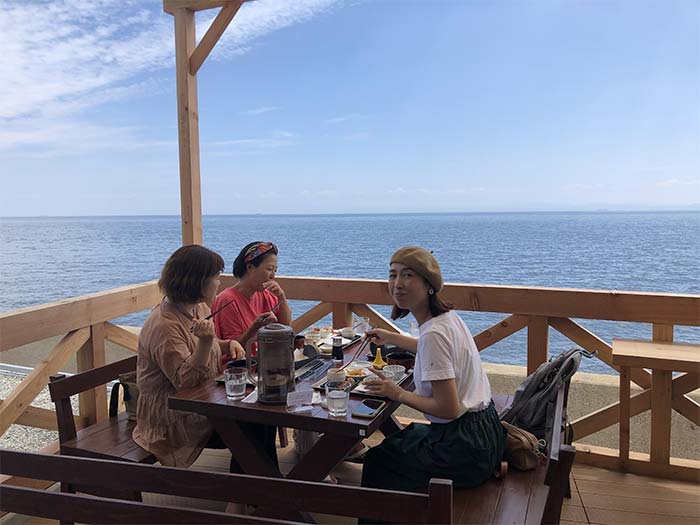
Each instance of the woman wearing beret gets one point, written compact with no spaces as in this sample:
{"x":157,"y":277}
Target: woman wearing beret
{"x":464,"y":441}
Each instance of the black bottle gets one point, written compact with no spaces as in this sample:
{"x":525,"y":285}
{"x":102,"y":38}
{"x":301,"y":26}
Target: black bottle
{"x":337,"y":353}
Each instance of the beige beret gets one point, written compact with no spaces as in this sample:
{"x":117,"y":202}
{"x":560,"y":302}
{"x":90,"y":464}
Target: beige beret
{"x":421,"y":261}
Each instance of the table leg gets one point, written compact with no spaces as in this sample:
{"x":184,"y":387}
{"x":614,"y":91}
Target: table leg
{"x":323,"y":457}
{"x":250,"y":457}
{"x":661,"y":399}
{"x":624,"y":440}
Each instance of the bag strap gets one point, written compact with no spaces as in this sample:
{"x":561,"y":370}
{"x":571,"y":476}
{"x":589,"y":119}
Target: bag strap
{"x":114,"y":399}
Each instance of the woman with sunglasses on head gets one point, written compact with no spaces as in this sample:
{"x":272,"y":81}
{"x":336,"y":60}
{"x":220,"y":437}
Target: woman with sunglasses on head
{"x":464,"y":441}
{"x":178,"y":349}
{"x":256,"y":299}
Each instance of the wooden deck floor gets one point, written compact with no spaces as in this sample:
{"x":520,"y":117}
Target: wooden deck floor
{"x":598,"y":496}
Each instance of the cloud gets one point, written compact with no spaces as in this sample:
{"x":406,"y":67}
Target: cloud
{"x":260,"y":111}
{"x":345,"y":118}
{"x":678,"y":182}
{"x":277,"y":139}
{"x":61,"y":58}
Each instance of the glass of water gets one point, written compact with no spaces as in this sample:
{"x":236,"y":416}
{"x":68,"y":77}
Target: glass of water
{"x":337,"y":396}
{"x":235,"y":381}
{"x":361,"y":325}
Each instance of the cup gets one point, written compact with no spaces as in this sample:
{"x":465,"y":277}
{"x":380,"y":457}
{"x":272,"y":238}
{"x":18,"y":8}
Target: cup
{"x":337,"y":396}
{"x":397,"y":370}
{"x":361,"y":325}
{"x":313,"y":338}
{"x":348,"y":332}
{"x":235,"y":382}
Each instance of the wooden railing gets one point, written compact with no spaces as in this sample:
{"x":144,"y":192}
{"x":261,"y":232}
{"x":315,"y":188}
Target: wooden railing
{"x":84,"y":323}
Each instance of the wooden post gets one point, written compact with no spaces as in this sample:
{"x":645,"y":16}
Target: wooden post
{"x":661,"y":401}
{"x":342,"y":315}
{"x":188,"y":128}
{"x":624,"y":441}
{"x":93,"y":403}
{"x":537,"y":342}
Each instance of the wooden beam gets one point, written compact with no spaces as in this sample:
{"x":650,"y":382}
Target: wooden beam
{"x":93,"y":402}
{"x":188,"y":128}
{"x":376,"y":319}
{"x":213,"y":34}
{"x":25,"y":325}
{"x":342,"y":315}
{"x":537,"y":343}
{"x":661,"y":416}
{"x":607,"y":458}
{"x":311,"y":316}
{"x":170,"y":6}
{"x":500,"y":331}
{"x":124,"y":338}
{"x":547,"y":302}
{"x":29,"y":388}
{"x":588,"y":340}
{"x":43,"y":418}
{"x":609,"y":415}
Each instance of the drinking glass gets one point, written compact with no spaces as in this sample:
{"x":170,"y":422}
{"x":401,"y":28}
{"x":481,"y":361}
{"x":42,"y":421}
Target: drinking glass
{"x":361,"y":325}
{"x":235,"y":381}
{"x":337,"y":396}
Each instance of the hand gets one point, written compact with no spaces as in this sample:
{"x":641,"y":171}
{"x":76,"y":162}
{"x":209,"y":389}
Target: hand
{"x":384,"y":387}
{"x":236,"y":350}
{"x":265,"y":319}
{"x":204,"y":329}
{"x":275,"y":289}
{"x":379,"y":336}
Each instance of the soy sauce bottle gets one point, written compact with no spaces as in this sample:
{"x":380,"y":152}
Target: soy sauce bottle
{"x":337,"y":353}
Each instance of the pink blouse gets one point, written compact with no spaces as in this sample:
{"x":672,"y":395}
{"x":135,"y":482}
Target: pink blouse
{"x":165,"y":366}
{"x":235,"y":319}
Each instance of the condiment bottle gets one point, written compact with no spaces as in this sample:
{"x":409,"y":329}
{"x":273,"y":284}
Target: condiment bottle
{"x":337,"y":353}
{"x":378,"y":362}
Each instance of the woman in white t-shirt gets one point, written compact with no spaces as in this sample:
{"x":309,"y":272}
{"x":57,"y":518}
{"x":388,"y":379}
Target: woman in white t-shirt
{"x":464,"y":441}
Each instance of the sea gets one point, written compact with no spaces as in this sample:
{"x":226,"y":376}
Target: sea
{"x":45,"y":259}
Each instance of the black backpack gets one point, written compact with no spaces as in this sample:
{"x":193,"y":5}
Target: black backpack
{"x":533,"y":403}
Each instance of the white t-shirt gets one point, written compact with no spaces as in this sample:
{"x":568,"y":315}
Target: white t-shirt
{"x":446,"y":350}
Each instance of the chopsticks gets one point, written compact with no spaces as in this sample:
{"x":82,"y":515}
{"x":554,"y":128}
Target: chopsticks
{"x":362,"y":346}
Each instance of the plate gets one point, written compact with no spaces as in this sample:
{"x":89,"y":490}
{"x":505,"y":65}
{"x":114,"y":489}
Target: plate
{"x":356,"y":372}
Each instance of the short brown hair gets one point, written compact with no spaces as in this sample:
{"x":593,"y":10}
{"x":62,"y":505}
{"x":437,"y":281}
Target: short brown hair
{"x":186,"y":270}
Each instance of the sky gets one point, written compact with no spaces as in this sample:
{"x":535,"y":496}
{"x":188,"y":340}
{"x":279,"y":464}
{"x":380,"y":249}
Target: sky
{"x":355,"y":106}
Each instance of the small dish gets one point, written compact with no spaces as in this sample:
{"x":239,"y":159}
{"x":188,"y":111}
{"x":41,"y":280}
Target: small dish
{"x":348,"y":332}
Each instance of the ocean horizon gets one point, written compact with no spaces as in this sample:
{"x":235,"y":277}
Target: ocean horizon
{"x":51,"y":258}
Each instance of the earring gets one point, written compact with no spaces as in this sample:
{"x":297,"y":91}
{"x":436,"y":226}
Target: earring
{"x":431,"y":291}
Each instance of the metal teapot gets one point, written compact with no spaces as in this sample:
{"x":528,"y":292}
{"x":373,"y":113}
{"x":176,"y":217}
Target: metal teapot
{"x":274,"y":376}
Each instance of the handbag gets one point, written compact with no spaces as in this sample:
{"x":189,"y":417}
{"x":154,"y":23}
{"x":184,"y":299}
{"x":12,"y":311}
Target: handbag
{"x":131,"y":395}
{"x":522,"y":448}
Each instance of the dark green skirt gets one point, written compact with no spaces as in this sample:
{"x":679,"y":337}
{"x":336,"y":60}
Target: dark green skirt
{"x":466,"y":450}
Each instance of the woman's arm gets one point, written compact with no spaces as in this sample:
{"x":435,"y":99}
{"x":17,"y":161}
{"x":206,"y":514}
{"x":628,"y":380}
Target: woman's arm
{"x":383,"y":337}
{"x":182,"y":368}
{"x":283,"y":312}
{"x":443,"y":403}
{"x":252,"y":330}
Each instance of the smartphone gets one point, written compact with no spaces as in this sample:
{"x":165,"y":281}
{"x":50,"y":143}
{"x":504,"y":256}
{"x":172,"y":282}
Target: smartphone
{"x":368,"y":408}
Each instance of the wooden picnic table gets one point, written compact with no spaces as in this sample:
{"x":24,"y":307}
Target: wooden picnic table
{"x":340,"y":434}
{"x":663,"y":358}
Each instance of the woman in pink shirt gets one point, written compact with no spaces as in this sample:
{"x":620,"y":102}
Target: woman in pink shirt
{"x":256,"y":299}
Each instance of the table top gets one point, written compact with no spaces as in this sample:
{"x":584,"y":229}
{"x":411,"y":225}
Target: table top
{"x":210,"y":400}
{"x":675,"y":357}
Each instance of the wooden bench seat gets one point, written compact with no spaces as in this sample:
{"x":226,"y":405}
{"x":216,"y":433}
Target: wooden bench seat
{"x":276,"y":499}
{"x":534,"y":496}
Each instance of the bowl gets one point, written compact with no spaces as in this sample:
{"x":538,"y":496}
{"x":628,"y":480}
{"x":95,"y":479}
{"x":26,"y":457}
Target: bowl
{"x":398,"y":370}
{"x":402,"y":357}
{"x":348,"y":332}
{"x":373,"y":377}
{"x":335,"y":375}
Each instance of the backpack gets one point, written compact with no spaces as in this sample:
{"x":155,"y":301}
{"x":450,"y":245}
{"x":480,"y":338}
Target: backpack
{"x":534,"y":399}
{"x":131,"y":395}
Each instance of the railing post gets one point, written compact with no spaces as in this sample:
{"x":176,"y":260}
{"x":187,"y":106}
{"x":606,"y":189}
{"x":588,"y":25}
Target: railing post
{"x":661,"y":403}
{"x":342,"y":315}
{"x":93,"y":403}
{"x":537,"y":342}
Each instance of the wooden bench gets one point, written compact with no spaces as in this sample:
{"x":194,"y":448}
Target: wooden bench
{"x":267,"y":493}
{"x":535,"y":496}
{"x":107,"y":439}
